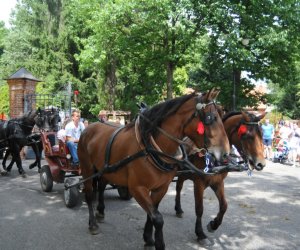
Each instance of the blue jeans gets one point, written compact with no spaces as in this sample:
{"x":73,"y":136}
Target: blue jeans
{"x":267,"y":142}
{"x":72,"y":146}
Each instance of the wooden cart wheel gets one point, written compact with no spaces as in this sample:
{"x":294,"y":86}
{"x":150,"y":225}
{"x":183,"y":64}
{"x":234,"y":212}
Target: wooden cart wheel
{"x":46,"y":179}
{"x":71,"y":195}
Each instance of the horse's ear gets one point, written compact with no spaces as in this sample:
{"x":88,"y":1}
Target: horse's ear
{"x":210,"y":94}
{"x":246,"y":117}
{"x":216,"y":92}
{"x":213,"y":93}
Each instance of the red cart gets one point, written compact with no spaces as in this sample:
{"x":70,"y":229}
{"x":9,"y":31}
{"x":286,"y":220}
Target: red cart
{"x":59,"y":169}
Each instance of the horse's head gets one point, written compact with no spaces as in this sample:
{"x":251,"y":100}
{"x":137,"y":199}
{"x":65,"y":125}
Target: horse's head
{"x":205,"y":127}
{"x":47,"y":119}
{"x":53,"y":119}
{"x":244,"y":132}
{"x":41,"y":120}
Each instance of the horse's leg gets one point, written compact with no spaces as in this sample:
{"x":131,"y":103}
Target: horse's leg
{"x":148,"y":232}
{"x":3,"y":169}
{"x":179,"y":185}
{"x":40,"y":148}
{"x":38,"y":156}
{"x":95,"y":187}
{"x":101,"y":183}
{"x":15,"y":150}
{"x":7,"y":152}
{"x":219,"y":191}
{"x":11,"y":164}
{"x":13,"y":160}
{"x":88,"y":189}
{"x":154,"y":217}
{"x":199,"y":188}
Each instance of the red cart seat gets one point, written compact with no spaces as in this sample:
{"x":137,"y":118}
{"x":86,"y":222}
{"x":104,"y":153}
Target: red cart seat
{"x":53,"y":146}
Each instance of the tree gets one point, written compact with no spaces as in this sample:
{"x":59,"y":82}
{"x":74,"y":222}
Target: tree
{"x":270,"y":29}
{"x":117,"y":53}
{"x":4,"y":102}
{"x":135,"y":47}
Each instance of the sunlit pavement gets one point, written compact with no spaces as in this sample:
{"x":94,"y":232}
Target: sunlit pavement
{"x":263,"y":213}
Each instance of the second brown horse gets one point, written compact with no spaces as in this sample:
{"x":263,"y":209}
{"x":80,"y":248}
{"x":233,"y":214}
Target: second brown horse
{"x":244,"y":133}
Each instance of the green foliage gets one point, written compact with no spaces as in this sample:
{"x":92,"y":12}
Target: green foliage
{"x":4,"y":101}
{"x":271,"y":46}
{"x":118,"y":53}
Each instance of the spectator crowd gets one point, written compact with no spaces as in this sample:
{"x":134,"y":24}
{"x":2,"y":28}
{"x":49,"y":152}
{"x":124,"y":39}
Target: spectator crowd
{"x":283,"y":137}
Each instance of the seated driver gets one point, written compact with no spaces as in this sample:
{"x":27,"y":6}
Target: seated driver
{"x":73,"y":132}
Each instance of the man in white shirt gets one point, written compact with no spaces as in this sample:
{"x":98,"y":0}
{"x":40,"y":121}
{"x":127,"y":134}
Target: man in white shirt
{"x":73,"y":132}
{"x":285,"y":132}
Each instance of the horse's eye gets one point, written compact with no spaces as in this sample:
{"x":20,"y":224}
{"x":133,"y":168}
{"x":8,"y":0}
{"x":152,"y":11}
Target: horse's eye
{"x":209,"y":118}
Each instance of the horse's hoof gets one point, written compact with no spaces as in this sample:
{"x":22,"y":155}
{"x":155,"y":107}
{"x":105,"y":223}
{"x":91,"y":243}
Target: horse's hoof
{"x":179,"y":215}
{"x":31,"y":167}
{"x":209,"y":228}
{"x":94,"y":230}
{"x":148,"y":247}
{"x":99,"y":217}
{"x":149,"y":244}
{"x":4,"y":173}
{"x":23,"y":173}
{"x":205,"y":242}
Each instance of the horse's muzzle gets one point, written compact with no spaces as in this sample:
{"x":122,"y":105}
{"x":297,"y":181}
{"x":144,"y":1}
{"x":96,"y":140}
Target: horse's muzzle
{"x":259,"y":165}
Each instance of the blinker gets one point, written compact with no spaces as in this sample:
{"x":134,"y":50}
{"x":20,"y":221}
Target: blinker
{"x":209,"y":118}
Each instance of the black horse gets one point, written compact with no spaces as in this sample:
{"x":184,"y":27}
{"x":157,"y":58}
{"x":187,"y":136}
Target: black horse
{"x":35,"y":139}
{"x":17,"y":133}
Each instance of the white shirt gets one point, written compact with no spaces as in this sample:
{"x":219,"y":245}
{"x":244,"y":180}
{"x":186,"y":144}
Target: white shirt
{"x":285,"y":132}
{"x":73,"y":131}
{"x":61,"y":135}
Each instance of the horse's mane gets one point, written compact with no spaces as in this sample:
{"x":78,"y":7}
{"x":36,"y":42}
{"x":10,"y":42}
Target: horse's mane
{"x":230,"y":114}
{"x":27,"y":121}
{"x":253,"y":118}
{"x":28,"y":118}
{"x":158,"y":113}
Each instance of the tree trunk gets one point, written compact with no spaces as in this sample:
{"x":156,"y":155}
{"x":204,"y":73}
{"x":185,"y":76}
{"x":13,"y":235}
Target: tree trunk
{"x":111,"y":82}
{"x":170,"y":72}
{"x":236,"y":84}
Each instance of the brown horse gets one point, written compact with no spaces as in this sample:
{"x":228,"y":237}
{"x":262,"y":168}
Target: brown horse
{"x":244,"y":133}
{"x":140,"y":155}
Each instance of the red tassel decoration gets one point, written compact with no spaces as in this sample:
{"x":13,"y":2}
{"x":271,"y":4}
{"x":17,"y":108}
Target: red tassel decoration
{"x":200,"y":128}
{"x":242,"y":130}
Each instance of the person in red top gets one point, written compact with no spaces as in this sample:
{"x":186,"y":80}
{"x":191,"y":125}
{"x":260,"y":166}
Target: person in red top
{"x":3,"y":117}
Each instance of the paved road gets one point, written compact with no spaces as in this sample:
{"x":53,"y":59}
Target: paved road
{"x":263,"y":213}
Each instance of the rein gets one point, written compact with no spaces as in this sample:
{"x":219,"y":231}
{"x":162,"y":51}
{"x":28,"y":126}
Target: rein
{"x":156,"y":153}
{"x":164,"y":132}
{"x":145,"y":151}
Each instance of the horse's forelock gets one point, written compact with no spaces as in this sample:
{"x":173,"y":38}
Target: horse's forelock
{"x":255,"y":119}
